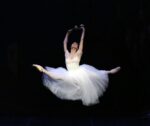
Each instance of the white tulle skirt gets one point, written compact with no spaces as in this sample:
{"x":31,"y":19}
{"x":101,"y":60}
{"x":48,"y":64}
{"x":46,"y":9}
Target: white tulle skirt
{"x":85,"y":83}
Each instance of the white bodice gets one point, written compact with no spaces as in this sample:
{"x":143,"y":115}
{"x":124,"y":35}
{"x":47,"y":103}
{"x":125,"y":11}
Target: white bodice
{"x":72,"y":63}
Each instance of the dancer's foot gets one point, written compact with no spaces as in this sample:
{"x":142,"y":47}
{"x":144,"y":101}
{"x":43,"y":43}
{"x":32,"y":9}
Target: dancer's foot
{"x":40,"y":68}
{"x":115,"y":70}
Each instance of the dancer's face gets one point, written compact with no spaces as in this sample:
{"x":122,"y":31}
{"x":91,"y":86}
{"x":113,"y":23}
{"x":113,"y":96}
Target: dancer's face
{"x":74,"y":46}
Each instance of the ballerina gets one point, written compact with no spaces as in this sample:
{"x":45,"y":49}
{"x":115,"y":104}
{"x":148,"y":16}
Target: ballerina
{"x":77,"y":82}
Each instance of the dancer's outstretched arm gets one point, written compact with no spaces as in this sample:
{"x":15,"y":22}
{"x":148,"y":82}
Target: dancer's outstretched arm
{"x":82,"y":39}
{"x":66,"y":40}
{"x":51,"y":75}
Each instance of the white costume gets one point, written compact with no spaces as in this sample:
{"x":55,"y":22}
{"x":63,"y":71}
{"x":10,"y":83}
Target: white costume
{"x":79,"y":82}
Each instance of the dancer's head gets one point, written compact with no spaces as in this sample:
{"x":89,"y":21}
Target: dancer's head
{"x":74,"y":46}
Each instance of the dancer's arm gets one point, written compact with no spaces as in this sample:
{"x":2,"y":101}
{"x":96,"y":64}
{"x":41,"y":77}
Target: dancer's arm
{"x":51,"y":75}
{"x":66,"y":40}
{"x":82,"y":39}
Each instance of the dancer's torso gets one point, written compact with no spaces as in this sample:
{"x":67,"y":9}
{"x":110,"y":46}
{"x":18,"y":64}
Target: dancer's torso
{"x":72,"y":62}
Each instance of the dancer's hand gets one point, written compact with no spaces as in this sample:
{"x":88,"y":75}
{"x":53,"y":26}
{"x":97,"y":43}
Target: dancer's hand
{"x":75,"y":27}
{"x":40,"y":68}
{"x":69,"y":31}
{"x":82,"y":26}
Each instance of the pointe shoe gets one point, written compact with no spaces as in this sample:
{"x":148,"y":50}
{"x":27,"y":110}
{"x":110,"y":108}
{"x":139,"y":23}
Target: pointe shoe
{"x":40,"y":68}
{"x":115,"y":70}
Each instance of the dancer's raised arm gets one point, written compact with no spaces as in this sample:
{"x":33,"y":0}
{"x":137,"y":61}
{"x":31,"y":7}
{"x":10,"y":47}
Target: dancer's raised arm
{"x":82,"y":39}
{"x":66,"y":40}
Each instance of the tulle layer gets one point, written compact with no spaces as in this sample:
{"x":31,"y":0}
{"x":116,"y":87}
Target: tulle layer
{"x":85,"y":83}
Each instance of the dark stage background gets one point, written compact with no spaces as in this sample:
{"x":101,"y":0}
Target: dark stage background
{"x":117,"y":34}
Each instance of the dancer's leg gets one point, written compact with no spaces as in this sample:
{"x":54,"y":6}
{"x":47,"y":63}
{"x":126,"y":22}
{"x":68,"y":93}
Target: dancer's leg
{"x":113,"y":71}
{"x":51,"y":75}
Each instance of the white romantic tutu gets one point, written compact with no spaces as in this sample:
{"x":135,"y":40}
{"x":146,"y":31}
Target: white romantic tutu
{"x":86,"y":83}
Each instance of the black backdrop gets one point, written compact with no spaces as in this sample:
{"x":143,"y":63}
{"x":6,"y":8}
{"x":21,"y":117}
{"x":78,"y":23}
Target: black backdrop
{"x":117,"y":33}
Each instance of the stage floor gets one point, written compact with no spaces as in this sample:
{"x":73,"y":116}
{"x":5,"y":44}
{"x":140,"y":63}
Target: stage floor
{"x":72,"y":121}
